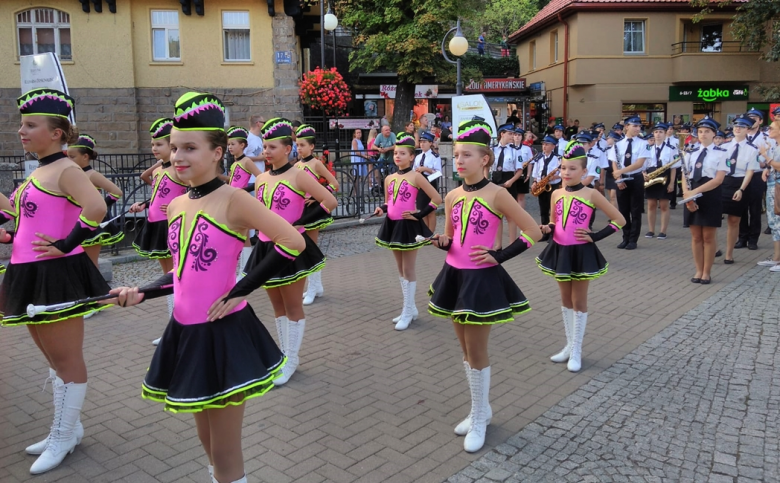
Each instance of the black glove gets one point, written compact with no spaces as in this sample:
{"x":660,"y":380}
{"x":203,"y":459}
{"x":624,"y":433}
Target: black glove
{"x":6,"y":215}
{"x":274,"y":262}
{"x":605,"y":232}
{"x":250,"y":187}
{"x":429,"y":208}
{"x":383,"y":208}
{"x":309,"y":216}
{"x":517,"y":247}
{"x":159,"y":288}
{"x":551,"y":226}
{"x":110,"y":200}
{"x":445,"y":248}
{"x":83,"y":230}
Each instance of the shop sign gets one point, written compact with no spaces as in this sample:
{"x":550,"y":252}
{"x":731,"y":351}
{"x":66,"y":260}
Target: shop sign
{"x":421,"y":91}
{"x":497,"y":85}
{"x":708,"y":93}
{"x":347,"y":123}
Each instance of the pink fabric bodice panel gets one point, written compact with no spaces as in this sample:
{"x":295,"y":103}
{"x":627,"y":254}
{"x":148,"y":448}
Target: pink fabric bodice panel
{"x":473,"y":223}
{"x":401,"y":196}
{"x":205,"y":255}
{"x":239,"y":177}
{"x":284,"y":200}
{"x":571,"y":213}
{"x":41,"y":211}
{"x":165,"y":190}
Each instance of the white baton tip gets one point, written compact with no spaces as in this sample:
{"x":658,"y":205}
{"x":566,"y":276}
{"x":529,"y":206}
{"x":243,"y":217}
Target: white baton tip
{"x":419,"y":238}
{"x":33,"y":310}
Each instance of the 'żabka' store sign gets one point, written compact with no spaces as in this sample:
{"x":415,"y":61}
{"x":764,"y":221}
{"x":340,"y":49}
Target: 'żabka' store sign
{"x":511,"y":84}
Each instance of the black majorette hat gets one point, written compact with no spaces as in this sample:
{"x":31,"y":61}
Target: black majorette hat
{"x":474,"y":132}
{"x":45,"y":102}
{"x":84,"y":141}
{"x":236,"y":132}
{"x":198,"y":111}
{"x":574,"y":150}
{"x":161,"y":128}
{"x":305,"y":131}
{"x":404,"y":139}
{"x":277,"y":128}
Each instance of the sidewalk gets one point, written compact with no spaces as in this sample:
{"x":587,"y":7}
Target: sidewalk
{"x":367,"y":403}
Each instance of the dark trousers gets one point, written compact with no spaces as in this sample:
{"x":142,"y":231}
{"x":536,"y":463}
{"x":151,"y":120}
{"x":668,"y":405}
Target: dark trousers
{"x":750,"y":223}
{"x":677,"y":187}
{"x":631,"y":201}
{"x":544,"y":204}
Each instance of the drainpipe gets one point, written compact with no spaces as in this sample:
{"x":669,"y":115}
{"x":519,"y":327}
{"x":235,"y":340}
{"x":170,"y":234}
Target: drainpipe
{"x":565,"y":66}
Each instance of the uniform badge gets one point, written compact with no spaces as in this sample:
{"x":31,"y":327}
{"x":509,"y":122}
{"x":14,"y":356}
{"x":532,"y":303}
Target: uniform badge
{"x":698,"y":165}
{"x":499,"y":168}
{"x":598,"y":170}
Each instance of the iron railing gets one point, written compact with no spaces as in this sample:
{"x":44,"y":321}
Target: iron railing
{"x":710,"y":47}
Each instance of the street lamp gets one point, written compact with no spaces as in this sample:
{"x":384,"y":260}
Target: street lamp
{"x":328,"y":22}
{"x":458,"y":46}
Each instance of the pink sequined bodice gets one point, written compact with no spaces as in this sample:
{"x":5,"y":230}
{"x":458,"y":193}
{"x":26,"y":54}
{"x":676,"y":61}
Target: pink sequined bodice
{"x":205,"y":255}
{"x":284,"y":200}
{"x":41,"y":211}
{"x":401,"y":196}
{"x":165,"y":190}
{"x":571,"y":213}
{"x":306,"y":169}
{"x":239,"y":177}
{"x":473,"y":223}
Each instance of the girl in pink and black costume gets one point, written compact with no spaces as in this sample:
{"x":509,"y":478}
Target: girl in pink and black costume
{"x":283,"y":190}
{"x":473,"y":289}
{"x":404,"y":223}
{"x":57,"y":209}
{"x":215,"y":354}
{"x":241,"y":171}
{"x":571,"y":256}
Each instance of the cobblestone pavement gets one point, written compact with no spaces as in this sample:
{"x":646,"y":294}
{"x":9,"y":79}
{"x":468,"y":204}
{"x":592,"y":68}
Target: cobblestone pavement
{"x":697,"y":402}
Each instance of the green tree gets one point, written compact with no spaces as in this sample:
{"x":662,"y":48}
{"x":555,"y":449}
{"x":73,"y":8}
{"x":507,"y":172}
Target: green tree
{"x":503,"y":17}
{"x":402,"y":36}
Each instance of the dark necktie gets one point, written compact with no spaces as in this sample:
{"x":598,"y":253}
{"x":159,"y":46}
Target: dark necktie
{"x":699,"y":166}
{"x":658,"y":156}
{"x":733,"y":160}
{"x":500,"y":166}
{"x":627,"y":157}
{"x":422,"y":160}
{"x":546,"y":165}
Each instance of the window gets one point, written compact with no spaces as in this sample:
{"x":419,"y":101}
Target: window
{"x":712,"y":38}
{"x":235,"y":36}
{"x":532,"y":55}
{"x":554,"y":46}
{"x":42,"y":30}
{"x":165,"y":35}
{"x":634,"y":37}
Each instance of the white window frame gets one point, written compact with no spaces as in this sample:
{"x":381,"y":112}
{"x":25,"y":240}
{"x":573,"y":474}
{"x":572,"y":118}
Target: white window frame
{"x":60,"y":20}
{"x":555,"y":47}
{"x":533,"y":55}
{"x":236,"y":26}
{"x":166,"y":27}
{"x":644,"y":36}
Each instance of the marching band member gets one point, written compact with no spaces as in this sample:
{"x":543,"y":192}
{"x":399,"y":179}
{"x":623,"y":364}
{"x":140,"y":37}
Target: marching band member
{"x":750,"y":223}
{"x":742,"y":161}
{"x":544,"y":166}
{"x":673,"y":142}
{"x":596,"y":160}
{"x":660,"y":154}
{"x":628,"y":160}
{"x":705,"y":167}
{"x":609,"y":181}
{"x":427,"y":163}
{"x":561,"y":141}
{"x":572,"y":257}
{"x":524,"y":155}
{"x":403,"y":223}
{"x":473,"y":289}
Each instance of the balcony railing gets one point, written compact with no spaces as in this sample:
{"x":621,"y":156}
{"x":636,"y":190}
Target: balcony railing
{"x":717,"y":47}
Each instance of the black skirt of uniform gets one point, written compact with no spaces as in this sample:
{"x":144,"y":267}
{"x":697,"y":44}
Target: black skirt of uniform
{"x":422,"y":198}
{"x":213,"y":364}
{"x":402,"y":234}
{"x":501,"y":177}
{"x":317,"y":224}
{"x":309,"y":261}
{"x":660,"y":191}
{"x":152,"y":240}
{"x":730,"y":186}
{"x":481,"y":296}
{"x":710,"y":207}
{"x":109,"y":235}
{"x":566,"y":263}
{"x":48,"y":282}
{"x":609,"y":182}
{"x":522,"y":187}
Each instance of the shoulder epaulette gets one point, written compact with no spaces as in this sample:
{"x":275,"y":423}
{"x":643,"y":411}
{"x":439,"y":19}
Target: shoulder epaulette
{"x":718,"y":148}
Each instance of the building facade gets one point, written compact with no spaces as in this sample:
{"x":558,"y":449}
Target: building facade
{"x":126,"y":69}
{"x":602,"y":60}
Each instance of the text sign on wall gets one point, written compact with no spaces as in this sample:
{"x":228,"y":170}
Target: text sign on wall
{"x":708,"y":94}
{"x":421,"y":91}
{"x":497,"y":85}
{"x":284,"y":57}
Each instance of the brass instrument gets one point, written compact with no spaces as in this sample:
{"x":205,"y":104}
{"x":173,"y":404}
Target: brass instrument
{"x":544,"y":184}
{"x":655,"y":177}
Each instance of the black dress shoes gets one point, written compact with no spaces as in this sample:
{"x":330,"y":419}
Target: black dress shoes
{"x":740,"y":244}
{"x":623,"y":244}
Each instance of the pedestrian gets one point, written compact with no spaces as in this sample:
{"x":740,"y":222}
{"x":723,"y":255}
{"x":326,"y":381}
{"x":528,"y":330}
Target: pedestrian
{"x":481,"y":44}
{"x":254,"y":143}
{"x":550,"y":129}
{"x":572,"y":257}
{"x":504,"y":46}
{"x":428,"y":163}
{"x":305,"y":138}
{"x":750,"y":223}
{"x":770,"y":155}
{"x":358,"y":156}
{"x":512,"y":119}
{"x":446,"y":124}
{"x":55,"y":209}
{"x":705,"y":170}
{"x":547,"y":165}
{"x":283,"y":190}
{"x":418,"y":132}
{"x":628,"y":161}
{"x":658,"y":195}
{"x":403,"y":222}
{"x":215,"y":353}
{"x":473,"y":289}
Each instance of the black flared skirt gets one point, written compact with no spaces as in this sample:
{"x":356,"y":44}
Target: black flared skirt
{"x":214,"y":364}
{"x":730,"y":186}
{"x":401,"y":234}
{"x":568,"y":263}
{"x":109,"y":235}
{"x":422,"y":198}
{"x":309,"y":261}
{"x":152,"y":240}
{"x":316,"y":224}
{"x":710,"y":207}
{"x":49,"y":282}
{"x":660,"y":191}
{"x":609,"y":181}
{"x":476,"y":296}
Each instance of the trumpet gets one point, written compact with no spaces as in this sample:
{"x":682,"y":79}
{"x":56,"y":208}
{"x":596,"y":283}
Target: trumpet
{"x":544,"y":184}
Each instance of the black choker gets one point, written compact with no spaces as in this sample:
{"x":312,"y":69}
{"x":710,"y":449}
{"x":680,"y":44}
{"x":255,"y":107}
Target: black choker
{"x":240,"y":157}
{"x":475,"y":186}
{"x":204,"y":189}
{"x":46,"y":160}
{"x":575,"y":187}
{"x":404,"y":171}
{"x":308,"y":158}
{"x":166,"y":164}
{"x":87,"y":168}
{"x":276,"y":172}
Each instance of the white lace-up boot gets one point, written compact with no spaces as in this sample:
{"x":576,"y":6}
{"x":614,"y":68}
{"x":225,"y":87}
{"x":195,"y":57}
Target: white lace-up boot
{"x":575,"y":360}
{"x":480,"y":389}
{"x":68,"y":400}
{"x":464,"y":426}
{"x":292,"y":348}
{"x":568,"y":324}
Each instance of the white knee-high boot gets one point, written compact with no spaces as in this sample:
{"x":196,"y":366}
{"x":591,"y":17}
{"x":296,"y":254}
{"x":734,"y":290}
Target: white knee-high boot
{"x":568,"y":324}
{"x":410,"y":309}
{"x":281,"y":332}
{"x":404,"y":283}
{"x":480,"y":389}
{"x":319,"y":290}
{"x":37,"y":448}
{"x":311,"y":290}
{"x":463,"y":427}
{"x":242,"y":480}
{"x":293,"y":346}
{"x":69,"y":398}
{"x":575,"y":360}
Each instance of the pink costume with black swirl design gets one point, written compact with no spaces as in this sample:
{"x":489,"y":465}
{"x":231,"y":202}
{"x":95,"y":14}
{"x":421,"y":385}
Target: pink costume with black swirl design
{"x":239,"y":177}
{"x":565,"y":258}
{"x":398,"y":233}
{"x":151,"y":241}
{"x":324,"y":220}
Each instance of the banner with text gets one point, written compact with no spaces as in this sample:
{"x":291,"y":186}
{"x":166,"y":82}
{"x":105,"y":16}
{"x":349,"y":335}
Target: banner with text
{"x":511,"y":84}
{"x":464,"y":108}
{"x":43,"y":70}
{"x":422,"y":91}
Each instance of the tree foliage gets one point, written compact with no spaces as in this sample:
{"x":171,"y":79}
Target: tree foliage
{"x":502,"y":17}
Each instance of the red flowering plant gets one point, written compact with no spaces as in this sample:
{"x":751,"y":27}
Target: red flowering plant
{"x":325,"y":90}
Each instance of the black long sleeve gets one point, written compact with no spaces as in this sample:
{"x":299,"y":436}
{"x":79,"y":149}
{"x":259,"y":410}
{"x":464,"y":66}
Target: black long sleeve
{"x":517,"y":247}
{"x":83,"y":230}
{"x":273,"y":262}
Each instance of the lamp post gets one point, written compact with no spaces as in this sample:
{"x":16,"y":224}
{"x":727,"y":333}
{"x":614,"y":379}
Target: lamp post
{"x":458,"y":46}
{"x":328,"y":22}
